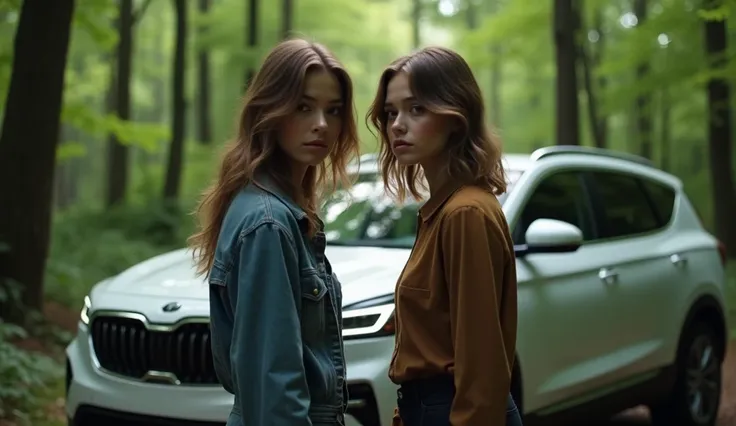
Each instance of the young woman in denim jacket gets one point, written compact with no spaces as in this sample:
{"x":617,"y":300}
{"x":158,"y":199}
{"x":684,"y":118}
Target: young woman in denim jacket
{"x":274,"y":301}
{"x":456,"y":297}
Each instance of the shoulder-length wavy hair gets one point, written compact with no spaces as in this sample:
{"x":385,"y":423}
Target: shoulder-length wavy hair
{"x":272,"y":95}
{"x":442,"y":82}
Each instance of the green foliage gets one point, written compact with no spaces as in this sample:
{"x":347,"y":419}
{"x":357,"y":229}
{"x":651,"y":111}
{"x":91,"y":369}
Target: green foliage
{"x":24,"y":373}
{"x":21,"y":374}
{"x":70,"y":149}
{"x":9,"y":13}
{"x":718,"y":10}
{"x":93,"y":23}
{"x":89,"y":245}
{"x":731,"y":296}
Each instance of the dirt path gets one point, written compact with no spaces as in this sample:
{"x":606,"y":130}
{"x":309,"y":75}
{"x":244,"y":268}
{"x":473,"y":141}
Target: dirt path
{"x":61,"y":316}
{"x":727,"y":414}
{"x":52,"y":413}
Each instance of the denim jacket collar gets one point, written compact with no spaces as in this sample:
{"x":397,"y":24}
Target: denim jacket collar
{"x":266,"y":183}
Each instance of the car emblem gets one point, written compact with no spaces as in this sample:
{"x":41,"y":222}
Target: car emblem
{"x":171,"y":307}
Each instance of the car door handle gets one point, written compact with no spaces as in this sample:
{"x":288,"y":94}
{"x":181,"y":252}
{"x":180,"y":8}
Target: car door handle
{"x":678,"y":259}
{"x":608,"y":276}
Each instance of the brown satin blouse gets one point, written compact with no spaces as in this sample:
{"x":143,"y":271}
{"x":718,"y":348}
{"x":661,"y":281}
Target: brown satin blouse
{"x":456,"y":303}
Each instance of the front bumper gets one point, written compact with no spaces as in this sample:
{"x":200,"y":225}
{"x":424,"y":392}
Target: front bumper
{"x":88,"y":389}
{"x":95,"y":397}
{"x":372,"y":395}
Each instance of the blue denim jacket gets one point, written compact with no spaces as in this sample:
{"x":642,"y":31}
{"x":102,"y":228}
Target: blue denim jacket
{"x":276,"y":319}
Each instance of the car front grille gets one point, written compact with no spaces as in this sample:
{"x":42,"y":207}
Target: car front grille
{"x":181,"y":354}
{"x":94,"y":416}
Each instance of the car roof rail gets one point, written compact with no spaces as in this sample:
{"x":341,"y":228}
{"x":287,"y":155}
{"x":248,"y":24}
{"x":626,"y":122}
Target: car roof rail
{"x":550,"y":151}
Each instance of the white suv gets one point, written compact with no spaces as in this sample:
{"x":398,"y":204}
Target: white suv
{"x":620,"y":303}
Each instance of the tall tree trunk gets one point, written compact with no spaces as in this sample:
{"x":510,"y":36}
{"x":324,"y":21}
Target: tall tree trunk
{"x":416,"y":16}
{"x":592,"y":98}
{"x":665,"y":131}
{"x":161,"y":102}
{"x":64,"y":184}
{"x":496,"y":84}
{"x":287,"y":18}
{"x":117,"y":153}
{"x":61,"y":171}
{"x":471,"y":15}
{"x":533,"y":79}
{"x":176,"y":149}
{"x":602,"y":123}
{"x":720,"y":134}
{"x":60,"y":195}
{"x":66,"y":175}
{"x":567,"y":109}
{"x":496,"y":73}
{"x":203,"y":67}
{"x":30,"y":135}
{"x":251,"y":37}
{"x":643,"y":101}
{"x":696,"y":158}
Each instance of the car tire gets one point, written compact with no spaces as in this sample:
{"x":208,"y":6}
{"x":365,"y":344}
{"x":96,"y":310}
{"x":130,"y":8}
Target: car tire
{"x":696,"y":394}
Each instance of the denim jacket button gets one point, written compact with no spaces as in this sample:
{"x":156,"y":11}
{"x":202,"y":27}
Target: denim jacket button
{"x":315,"y":291}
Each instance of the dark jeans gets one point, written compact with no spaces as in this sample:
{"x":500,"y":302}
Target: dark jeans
{"x":427,"y":402}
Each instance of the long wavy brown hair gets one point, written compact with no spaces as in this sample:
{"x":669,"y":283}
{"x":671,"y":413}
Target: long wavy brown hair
{"x":442,"y":82}
{"x":272,"y":95}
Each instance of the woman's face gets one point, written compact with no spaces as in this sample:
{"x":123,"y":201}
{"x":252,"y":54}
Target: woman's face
{"x":416,"y":135}
{"x":309,"y":134}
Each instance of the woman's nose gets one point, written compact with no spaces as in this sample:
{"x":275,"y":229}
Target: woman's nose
{"x":320,"y":122}
{"x":398,"y":127}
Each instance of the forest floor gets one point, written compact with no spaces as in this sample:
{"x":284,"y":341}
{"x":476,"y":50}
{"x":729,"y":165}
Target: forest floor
{"x":727,"y":414}
{"x":52,"y":411}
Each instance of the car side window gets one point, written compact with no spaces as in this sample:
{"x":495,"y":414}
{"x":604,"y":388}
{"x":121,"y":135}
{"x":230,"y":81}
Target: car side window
{"x":561,"y":197}
{"x":663,"y":199}
{"x":625,"y":208}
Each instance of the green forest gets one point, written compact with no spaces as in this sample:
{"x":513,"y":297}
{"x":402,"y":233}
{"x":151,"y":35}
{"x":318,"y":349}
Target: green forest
{"x":118,"y":152}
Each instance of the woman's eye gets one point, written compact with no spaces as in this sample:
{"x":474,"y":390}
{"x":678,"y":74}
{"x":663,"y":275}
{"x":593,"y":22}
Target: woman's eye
{"x":334,"y":111}
{"x":302,"y":108}
{"x":390,"y":114}
{"x":417,"y":109}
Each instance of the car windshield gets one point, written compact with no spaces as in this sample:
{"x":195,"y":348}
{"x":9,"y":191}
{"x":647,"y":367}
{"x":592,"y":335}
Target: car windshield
{"x":365,"y":215}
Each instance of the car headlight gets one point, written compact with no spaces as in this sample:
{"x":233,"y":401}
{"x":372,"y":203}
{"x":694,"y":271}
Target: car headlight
{"x":370,"y":318}
{"x":84,"y":315}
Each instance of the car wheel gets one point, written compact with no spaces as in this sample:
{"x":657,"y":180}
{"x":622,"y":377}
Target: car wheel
{"x":696,"y":395}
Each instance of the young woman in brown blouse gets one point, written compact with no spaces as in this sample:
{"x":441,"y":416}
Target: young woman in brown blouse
{"x":456,"y":298}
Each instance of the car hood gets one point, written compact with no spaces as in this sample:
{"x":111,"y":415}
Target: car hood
{"x":364,"y":272}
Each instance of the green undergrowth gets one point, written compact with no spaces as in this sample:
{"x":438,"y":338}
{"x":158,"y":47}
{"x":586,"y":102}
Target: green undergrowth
{"x":31,"y":372}
{"x":89,"y":245}
{"x":731,"y":296}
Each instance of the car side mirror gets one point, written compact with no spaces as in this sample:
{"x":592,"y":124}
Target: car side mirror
{"x":551,"y":236}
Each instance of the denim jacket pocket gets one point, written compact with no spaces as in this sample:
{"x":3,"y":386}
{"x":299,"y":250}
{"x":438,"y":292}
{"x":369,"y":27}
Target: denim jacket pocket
{"x":313,"y":291}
